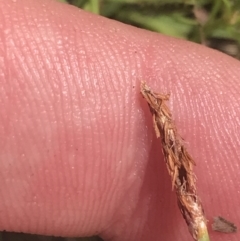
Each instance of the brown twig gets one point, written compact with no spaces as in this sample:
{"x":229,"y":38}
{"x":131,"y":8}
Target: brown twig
{"x":179,"y":164}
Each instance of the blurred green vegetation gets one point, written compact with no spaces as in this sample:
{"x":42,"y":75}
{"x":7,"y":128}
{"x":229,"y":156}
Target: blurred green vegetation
{"x":7,"y":236}
{"x":214,"y":23}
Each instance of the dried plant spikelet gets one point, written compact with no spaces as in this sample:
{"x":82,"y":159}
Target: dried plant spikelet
{"x":222,"y":225}
{"x":179,"y":164}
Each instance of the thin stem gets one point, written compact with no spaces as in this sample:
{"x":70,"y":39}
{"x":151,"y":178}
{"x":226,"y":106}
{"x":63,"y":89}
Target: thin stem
{"x":203,"y":234}
{"x":94,"y":6}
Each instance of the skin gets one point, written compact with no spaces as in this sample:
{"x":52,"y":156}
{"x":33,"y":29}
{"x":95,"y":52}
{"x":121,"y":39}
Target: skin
{"x":78,"y":154}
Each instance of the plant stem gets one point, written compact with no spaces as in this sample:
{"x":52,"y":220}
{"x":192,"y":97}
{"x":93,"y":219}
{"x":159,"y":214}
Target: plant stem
{"x":179,"y":164}
{"x":94,"y":5}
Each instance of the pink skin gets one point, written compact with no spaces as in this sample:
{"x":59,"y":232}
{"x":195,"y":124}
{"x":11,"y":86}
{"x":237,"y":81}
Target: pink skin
{"x":78,"y":155}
